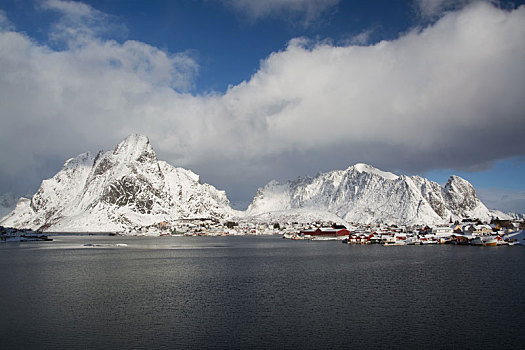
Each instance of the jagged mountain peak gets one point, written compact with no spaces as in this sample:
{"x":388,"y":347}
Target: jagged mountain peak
{"x":133,"y":141}
{"x":456,"y":181}
{"x":118,"y":190}
{"x":80,"y":160}
{"x":461,"y":196}
{"x":366,"y":168}
{"x":337,"y":177}
{"x":458,"y":187}
{"x":133,"y":157}
{"x":366,"y":194}
{"x":135,"y":147}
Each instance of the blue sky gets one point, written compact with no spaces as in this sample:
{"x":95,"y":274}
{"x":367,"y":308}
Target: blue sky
{"x":227,"y":43}
{"x":243,"y":92}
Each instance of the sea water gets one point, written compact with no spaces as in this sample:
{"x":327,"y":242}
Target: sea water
{"x":100,"y":292}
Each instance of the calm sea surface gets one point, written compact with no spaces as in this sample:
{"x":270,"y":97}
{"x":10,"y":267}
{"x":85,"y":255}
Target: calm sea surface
{"x":258,"y":292}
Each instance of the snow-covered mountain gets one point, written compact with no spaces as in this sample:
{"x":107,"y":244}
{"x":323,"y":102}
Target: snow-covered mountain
{"x":301,"y":216}
{"x":365,"y":194}
{"x":118,"y":190}
{"x":7,"y":204}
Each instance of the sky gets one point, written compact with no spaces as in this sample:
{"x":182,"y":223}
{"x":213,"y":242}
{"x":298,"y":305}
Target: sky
{"x":243,"y":92}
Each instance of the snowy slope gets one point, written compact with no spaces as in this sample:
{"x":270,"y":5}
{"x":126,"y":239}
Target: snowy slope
{"x":365,"y":194}
{"x":505,"y":216}
{"x":118,"y":190}
{"x":301,"y":216}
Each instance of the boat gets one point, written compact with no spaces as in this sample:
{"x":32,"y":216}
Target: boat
{"x":490,"y":242}
{"x":392,"y":243}
{"x":486,"y":241}
{"x":476,"y":241}
{"x":413,"y":241}
{"x":501,"y":241}
{"x":429,"y":240}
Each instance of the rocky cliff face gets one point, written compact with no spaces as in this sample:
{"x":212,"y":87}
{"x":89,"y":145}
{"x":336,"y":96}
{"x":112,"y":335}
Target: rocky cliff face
{"x":365,"y":194}
{"x":118,"y":190}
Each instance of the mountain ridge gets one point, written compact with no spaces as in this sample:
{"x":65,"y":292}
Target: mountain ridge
{"x":128,"y":188}
{"x":118,"y":190}
{"x":365,"y":194}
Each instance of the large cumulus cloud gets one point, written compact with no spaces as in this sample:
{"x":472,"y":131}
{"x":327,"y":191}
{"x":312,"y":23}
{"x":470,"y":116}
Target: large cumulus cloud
{"x":448,"y":95}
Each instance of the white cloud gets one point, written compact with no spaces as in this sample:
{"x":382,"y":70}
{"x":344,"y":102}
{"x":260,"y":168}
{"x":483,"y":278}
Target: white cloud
{"x":431,"y":9}
{"x":5,"y":24}
{"x":72,"y":8}
{"x":362,"y":38}
{"x":305,"y":10}
{"x":428,"y":89}
{"x":450,"y":95}
{"x":79,"y":22}
{"x":81,"y":28}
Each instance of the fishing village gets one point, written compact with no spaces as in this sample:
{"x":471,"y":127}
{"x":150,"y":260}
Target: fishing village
{"x":468,"y":232}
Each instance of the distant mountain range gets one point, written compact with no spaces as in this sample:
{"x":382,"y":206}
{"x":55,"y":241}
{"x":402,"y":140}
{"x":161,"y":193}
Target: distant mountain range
{"x":365,"y":194}
{"x":129,"y":187}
